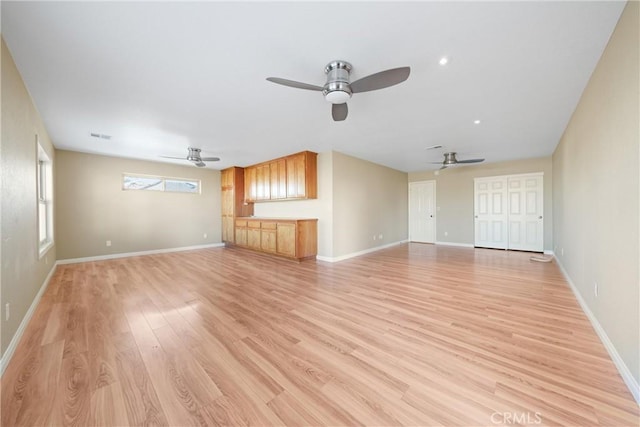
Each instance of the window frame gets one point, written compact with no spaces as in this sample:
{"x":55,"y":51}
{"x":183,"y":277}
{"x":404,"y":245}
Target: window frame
{"x":44,"y":199}
{"x":163,"y":180}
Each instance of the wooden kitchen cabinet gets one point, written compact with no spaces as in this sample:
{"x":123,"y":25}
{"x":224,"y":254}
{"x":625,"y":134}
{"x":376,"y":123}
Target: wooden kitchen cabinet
{"x":302,"y":180}
{"x":268,"y":236}
{"x":251,"y":184}
{"x":253,"y":234}
{"x":290,"y":177}
{"x":232,"y":201}
{"x":278,"y":174}
{"x":241,"y":232}
{"x":263,"y":182}
{"x":286,"y":239}
{"x":291,"y":238}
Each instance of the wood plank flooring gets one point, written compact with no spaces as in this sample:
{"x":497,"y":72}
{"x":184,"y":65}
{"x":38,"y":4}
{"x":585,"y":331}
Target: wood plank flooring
{"x":414,"y":335}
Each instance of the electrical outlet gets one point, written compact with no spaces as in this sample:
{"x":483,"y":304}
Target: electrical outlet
{"x":595,"y":288}
{"x":562,"y":251}
{"x":7,"y":311}
{"x":446,"y":233}
{"x":380,"y":236}
{"x":204,"y":236}
{"x":108,"y":242}
{"x":374,"y":237}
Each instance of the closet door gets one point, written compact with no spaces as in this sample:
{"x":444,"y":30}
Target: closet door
{"x":491,"y":215}
{"x":526,"y":226}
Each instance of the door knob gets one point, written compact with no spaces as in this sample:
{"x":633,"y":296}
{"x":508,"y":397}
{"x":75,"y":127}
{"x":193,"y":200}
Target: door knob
{"x":540,"y":217}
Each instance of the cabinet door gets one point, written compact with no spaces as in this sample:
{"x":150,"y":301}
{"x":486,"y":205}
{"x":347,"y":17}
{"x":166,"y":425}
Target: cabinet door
{"x":253,"y":238}
{"x":286,"y":239}
{"x":278,"y":172}
{"x":227,"y":229}
{"x":268,"y":240}
{"x":250,"y":184}
{"x":226,"y":178}
{"x":227,"y":201}
{"x":296,"y":181}
{"x":263,"y":182}
{"x":241,"y":236}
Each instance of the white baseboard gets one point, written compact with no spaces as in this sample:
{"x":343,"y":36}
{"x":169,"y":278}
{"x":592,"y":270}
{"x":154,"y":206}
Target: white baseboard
{"x":549,"y":252}
{"x":130,"y":254}
{"x":624,"y":371}
{"x":355,"y":254}
{"x":8,"y":354}
{"x":462,"y":245}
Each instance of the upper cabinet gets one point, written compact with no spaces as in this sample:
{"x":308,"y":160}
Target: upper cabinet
{"x":286,"y":178}
{"x":278,"y":173}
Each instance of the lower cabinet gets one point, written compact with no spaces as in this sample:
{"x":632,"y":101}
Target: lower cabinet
{"x":286,"y":239}
{"x":268,"y":236}
{"x":291,"y":238}
{"x":241,"y":233}
{"x":253,"y":234}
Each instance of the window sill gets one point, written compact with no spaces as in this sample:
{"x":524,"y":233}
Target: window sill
{"x":44,"y":249}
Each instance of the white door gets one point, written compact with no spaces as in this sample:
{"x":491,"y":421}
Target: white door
{"x":526,"y":213}
{"x":422,"y":202}
{"x":490,"y":212}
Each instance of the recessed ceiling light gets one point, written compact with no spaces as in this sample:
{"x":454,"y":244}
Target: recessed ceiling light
{"x":443,"y":60}
{"x":477,"y":122}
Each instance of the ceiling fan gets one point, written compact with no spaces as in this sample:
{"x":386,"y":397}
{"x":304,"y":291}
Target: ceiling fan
{"x":195,"y":158}
{"x":338,"y":90}
{"x":451,"y":160}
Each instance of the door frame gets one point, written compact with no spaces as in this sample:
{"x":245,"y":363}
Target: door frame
{"x":435,"y":216}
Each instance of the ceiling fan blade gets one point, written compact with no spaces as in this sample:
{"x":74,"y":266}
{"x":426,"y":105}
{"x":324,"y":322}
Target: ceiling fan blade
{"x":210,"y":159}
{"x":291,"y":83}
{"x":339,"y":112}
{"x":471,"y":161}
{"x":170,"y":157}
{"x":381,"y":80}
{"x":200,"y":164}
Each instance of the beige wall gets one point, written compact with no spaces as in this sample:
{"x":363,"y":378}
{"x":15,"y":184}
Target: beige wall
{"x":92,"y":207}
{"x":320,"y":208}
{"x":23,"y":272}
{"x":368,"y":199}
{"x":454,"y":196}
{"x":596,"y":187}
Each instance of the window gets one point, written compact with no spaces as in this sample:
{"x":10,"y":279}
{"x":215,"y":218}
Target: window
{"x":44,"y":178}
{"x":156,"y":183}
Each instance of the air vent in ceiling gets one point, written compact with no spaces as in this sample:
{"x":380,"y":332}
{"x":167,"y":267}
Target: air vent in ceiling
{"x":100,"y":135}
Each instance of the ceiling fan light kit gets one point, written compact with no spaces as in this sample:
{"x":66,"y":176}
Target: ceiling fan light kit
{"x":338,"y":89}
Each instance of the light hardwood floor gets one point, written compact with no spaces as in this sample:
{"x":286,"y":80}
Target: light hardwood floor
{"x":412,"y":335}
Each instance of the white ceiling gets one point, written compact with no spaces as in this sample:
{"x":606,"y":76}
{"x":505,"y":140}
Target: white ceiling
{"x":161,"y":76}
